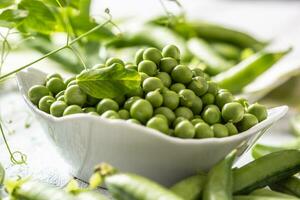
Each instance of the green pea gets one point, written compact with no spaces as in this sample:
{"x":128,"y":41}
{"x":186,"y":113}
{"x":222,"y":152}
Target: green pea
{"x":159,"y":124}
{"x":36,"y":92}
{"x":170,"y":99}
{"x":54,"y":75}
{"x":148,"y":67}
{"x":110,"y":114}
{"x":247,"y":122}
{"x":184,"y":129}
{"x":144,"y":76}
{"x":139,"y":56}
{"x":171,"y":51}
{"x":184,"y":112}
{"x":141,"y":110}
{"x":176,"y":87}
{"x":131,"y":67}
{"x":73,"y":82}
{"x":89,"y":109}
{"x":196,"y":121}
{"x":137,"y":92}
{"x":232,"y":130}
{"x":198,"y":85}
{"x":208,"y":99}
{"x":198,"y":72}
{"x":61,"y":93}
{"x":182,"y":74}
{"x":112,"y":61}
{"x":152,"y":54}
{"x":134,"y":121}
{"x":68,"y":80}
{"x":72,"y":109}
{"x":124,"y":114}
{"x":213,"y":87}
{"x":99,"y":66}
{"x":244,"y":102}
{"x":151,"y":84}
{"x":187,"y":97}
{"x":91,"y":101}
{"x":220,"y":130}
{"x":93,"y":113}
{"x":120,"y":99}
{"x":166,"y":112}
{"x":223,"y":97}
{"x":233,"y":112}
{"x":203,"y":130}
{"x":162,"y":116}
{"x":165,"y":78}
{"x":197,"y":105}
{"x":57,"y":108}
{"x":177,"y":120}
{"x":155,"y":98}
{"x":45,"y":103}
{"x":128,"y":103}
{"x":167,"y":64}
{"x":211,"y":114}
{"x":206,"y":77}
{"x":259,"y":111}
{"x":197,"y":117}
{"x":107,"y":104}
{"x":75,"y":96}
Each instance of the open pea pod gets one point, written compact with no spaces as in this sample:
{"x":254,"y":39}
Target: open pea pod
{"x":240,"y":75}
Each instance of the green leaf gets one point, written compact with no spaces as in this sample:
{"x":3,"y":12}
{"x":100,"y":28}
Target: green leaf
{"x":109,"y":82}
{"x":6,"y":3}
{"x":64,"y":3}
{"x":11,"y":18}
{"x":40,"y":19}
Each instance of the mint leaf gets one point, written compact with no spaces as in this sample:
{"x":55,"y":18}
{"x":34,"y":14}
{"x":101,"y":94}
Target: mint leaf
{"x":109,"y":82}
{"x":6,"y":3}
{"x":11,"y":18}
{"x":40,"y":18}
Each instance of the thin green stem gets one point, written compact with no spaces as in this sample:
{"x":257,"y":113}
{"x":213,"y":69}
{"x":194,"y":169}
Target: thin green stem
{"x":56,"y":50}
{"x":23,"y":157}
{"x":77,"y":54}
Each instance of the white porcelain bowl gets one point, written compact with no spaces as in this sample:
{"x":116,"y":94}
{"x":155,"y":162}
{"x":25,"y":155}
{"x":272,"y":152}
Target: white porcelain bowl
{"x":86,"y":140}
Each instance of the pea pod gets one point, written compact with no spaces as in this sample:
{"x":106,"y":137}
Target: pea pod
{"x":248,"y":70}
{"x":209,"y":31}
{"x":270,"y":193}
{"x":2,"y":174}
{"x":134,"y":187}
{"x":226,"y":50}
{"x":190,"y":188}
{"x":203,"y":51}
{"x":90,"y":195}
{"x":290,"y":186}
{"x":33,"y":190}
{"x":219,"y":180}
{"x":260,"y":150}
{"x":254,"y":197}
{"x":266,"y":170}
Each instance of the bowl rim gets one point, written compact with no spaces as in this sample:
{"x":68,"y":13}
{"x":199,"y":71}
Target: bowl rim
{"x":281,"y":111}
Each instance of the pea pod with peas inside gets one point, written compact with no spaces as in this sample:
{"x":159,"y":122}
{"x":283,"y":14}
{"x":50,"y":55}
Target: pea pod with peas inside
{"x":237,"y":77}
{"x":266,"y":170}
{"x":290,"y":185}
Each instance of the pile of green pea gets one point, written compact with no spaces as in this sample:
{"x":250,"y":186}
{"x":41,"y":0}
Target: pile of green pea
{"x":173,"y":99}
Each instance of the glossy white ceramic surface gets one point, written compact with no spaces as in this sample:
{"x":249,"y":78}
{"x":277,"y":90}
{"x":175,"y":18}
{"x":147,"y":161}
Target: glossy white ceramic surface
{"x":86,"y":140}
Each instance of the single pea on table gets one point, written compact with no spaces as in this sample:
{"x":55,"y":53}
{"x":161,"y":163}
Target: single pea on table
{"x":172,"y":98}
